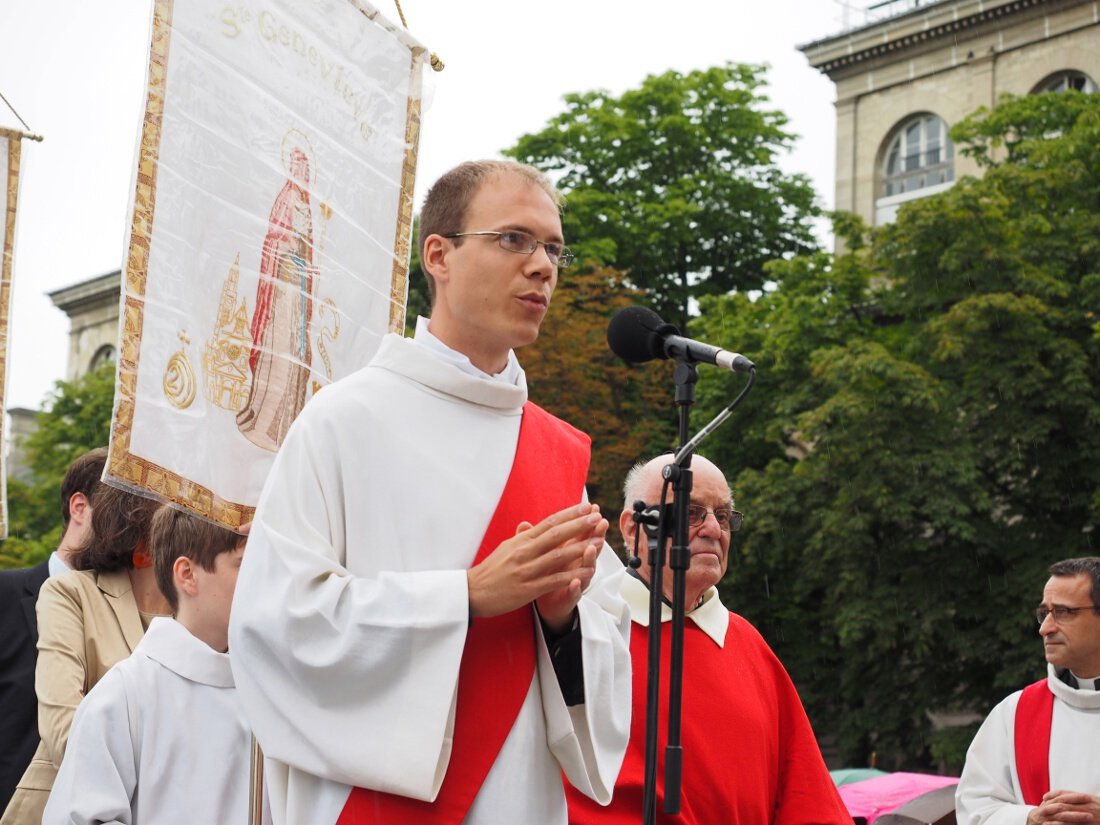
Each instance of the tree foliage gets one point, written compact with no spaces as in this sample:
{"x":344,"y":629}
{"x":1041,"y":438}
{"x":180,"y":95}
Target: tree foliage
{"x":74,"y":419}
{"x":418,"y":302}
{"x":572,"y":373}
{"x":922,"y":442}
{"x":676,"y":183}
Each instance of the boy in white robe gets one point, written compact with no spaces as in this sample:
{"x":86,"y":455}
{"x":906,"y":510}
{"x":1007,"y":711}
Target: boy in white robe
{"x":160,"y":739}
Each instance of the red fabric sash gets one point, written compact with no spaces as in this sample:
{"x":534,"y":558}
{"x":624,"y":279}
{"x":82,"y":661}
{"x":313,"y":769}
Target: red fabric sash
{"x":498,"y":661}
{"x":1031,"y":739}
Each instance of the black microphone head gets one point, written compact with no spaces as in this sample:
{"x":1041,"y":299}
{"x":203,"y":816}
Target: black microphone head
{"x":635,"y":334}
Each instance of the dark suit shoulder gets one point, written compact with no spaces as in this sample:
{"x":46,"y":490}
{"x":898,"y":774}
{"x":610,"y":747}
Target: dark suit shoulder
{"x":18,"y":632}
{"x":24,"y":581}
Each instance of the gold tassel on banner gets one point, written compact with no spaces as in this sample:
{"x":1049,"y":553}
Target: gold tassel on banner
{"x":437,"y":64}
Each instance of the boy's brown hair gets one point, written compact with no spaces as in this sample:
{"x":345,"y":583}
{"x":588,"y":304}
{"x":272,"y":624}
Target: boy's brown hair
{"x":175,"y":533}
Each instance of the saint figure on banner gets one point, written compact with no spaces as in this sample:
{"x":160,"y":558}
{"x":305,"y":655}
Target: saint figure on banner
{"x":280,"y":358}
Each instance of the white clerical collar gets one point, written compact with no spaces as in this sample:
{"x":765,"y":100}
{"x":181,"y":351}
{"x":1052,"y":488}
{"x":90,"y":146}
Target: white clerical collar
{"x":423,"y":336}
{"x":711,"y":616}
{"x":1084,"y":696}
{"x":56,"y":565}
{"x":170,"y":643}
{"x":1085,"y":684}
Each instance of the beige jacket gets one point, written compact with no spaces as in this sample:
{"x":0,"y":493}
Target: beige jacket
{"x":87,"y":622}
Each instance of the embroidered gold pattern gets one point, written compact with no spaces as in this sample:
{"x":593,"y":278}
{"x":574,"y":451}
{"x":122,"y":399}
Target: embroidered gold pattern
{"x":225,"y":370}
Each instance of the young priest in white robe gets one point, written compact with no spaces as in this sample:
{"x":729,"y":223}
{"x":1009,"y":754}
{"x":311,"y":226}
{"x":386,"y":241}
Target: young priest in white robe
{"x":160,"y":739}
{"x":428,"y":626}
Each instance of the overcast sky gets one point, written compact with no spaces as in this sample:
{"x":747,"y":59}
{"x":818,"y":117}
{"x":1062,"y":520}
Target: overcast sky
{"x":76,"y":70}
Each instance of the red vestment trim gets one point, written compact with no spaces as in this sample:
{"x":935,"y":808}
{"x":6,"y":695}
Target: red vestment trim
{"x":1031,"y":740}
{"x":498,"y":661}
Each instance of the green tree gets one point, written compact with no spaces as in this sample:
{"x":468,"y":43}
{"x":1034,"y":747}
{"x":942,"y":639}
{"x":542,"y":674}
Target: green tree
{"x":676,"y":183}
{"x":572,"y":373}
{"x":74,"y":419}
{"x":923,"y":439}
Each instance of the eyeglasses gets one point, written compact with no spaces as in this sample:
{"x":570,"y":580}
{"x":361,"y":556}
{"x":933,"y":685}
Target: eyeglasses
{"x":524,"y":243}
{"x":1060,"y":612}
{"x":728,"y":518}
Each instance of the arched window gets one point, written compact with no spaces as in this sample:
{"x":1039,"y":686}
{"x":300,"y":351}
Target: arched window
{"x":1066,"y":80}
{"x":919,"y":156}
{"x":104,"y":355}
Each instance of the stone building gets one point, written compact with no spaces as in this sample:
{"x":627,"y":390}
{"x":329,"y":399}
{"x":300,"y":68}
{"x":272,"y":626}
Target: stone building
{"x":92,"y":307}
{"x":916,"y":67}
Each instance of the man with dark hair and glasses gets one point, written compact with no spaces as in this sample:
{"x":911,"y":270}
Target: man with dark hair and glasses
{"x":427,"y":626}
{"x":749,"y":752}
{"x":1036,"y":758}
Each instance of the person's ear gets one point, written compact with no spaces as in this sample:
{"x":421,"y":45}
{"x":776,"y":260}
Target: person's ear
{"x":183,"y":576}
{"x":80,"y":509}
{"x":627,"y":528}
{"x":434,"y":257}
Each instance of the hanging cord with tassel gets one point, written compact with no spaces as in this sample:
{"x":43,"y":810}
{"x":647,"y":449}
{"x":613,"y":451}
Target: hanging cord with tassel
{"x":437,"y":64}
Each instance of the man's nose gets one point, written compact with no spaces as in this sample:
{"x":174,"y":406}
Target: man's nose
{"x":710,"y":526}
{"x":539,"y":263}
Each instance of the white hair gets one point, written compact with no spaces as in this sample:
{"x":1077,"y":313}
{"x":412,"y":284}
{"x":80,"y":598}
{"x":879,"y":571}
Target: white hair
{"x":639,"y":477}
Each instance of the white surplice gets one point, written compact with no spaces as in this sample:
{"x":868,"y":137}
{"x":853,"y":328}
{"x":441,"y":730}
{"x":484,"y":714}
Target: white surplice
{"x":989,"y":788}
{"x":159,"y":740}
{"x":351,"y":609}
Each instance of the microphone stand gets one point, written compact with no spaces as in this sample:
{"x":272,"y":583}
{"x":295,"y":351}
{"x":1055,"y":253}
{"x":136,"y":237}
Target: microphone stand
{"x":658,"y":523}
{"x":679,"y":560}
{"x":656,"y":528}
{"x":679,"y":476}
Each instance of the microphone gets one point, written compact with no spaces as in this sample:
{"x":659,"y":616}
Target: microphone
{"x":637,"y":334}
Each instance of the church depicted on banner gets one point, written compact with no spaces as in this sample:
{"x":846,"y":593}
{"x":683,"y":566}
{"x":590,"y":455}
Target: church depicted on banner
{"x":912,"y":68}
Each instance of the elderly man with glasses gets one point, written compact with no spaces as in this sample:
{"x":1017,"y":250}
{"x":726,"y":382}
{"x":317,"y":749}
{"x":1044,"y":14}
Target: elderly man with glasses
{"x":749,"y":752}
{"x":1036,"y":758}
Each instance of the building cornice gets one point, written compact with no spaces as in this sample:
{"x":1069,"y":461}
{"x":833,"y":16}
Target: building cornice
{"x":916,"y":29}
{"x":102,"y":289}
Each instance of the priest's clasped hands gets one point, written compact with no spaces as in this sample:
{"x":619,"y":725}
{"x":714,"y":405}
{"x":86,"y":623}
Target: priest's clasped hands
{"x":548,"y":563}
{"x":1066,"y":806}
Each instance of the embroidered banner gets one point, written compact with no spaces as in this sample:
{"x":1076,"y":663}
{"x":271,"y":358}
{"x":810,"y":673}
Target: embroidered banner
{"x":10,"y":143}
{"x":268,"y":253}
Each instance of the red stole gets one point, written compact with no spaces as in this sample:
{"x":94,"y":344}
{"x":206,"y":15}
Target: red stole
{"x":1031,"y":740}
{"x":498,"y":661}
